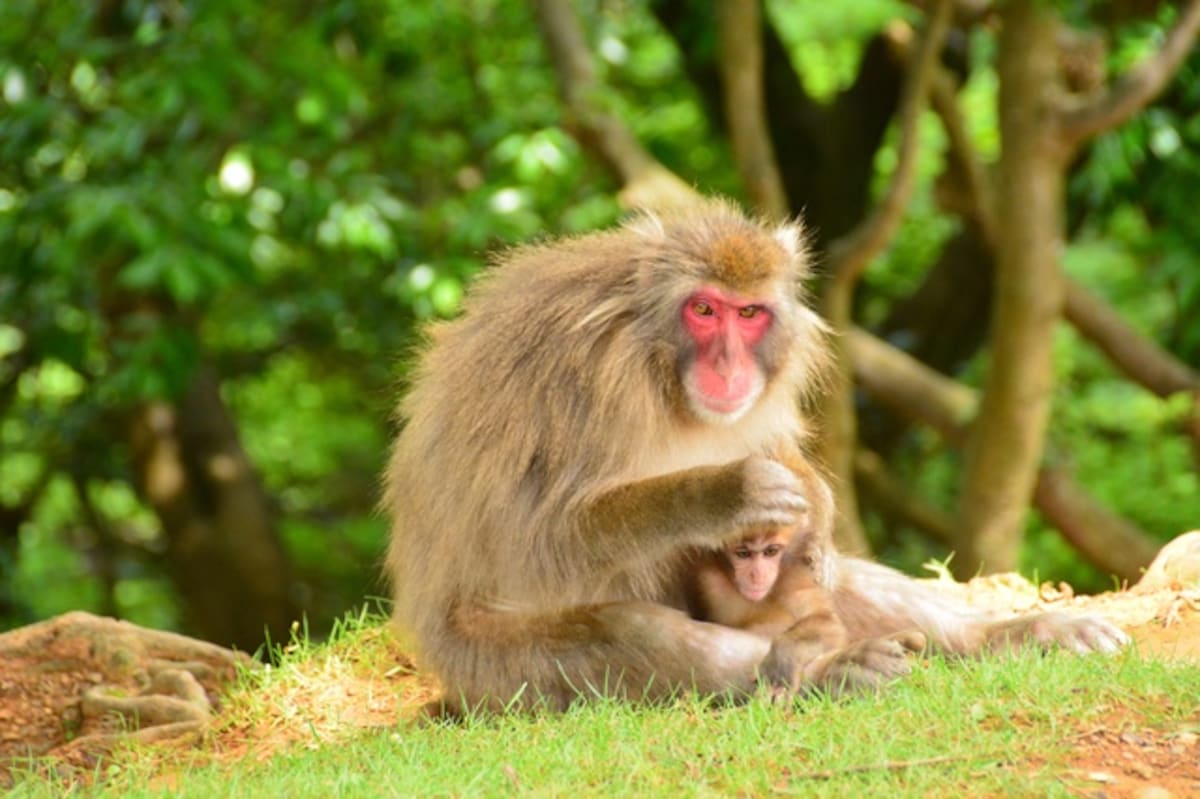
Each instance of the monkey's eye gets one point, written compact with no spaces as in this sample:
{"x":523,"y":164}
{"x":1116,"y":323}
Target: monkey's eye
{"x":702,"y":308}
{"x":742,"y":554}
{"x":773,"y":551}
{"x":750,"y":311}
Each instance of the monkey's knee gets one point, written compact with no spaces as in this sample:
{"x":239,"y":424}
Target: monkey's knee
{"x":914,"y":641}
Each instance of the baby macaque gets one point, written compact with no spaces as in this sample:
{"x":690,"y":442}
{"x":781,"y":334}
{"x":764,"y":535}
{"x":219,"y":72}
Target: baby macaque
{"x":758,"y":584}
{"x":766,"y":584}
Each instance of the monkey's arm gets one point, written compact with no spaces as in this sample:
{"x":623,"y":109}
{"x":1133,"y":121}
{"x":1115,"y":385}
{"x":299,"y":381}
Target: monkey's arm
{"x":806,"y":620}
{"x":702,"y":506}
{"x":818,"y":651}
{"x":774,"y":621}
{"x":710,"y":597}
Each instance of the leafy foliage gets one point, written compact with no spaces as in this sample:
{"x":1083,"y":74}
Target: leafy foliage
{"x":282,"y":192}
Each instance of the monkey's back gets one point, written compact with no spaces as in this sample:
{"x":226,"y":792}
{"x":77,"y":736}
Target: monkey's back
{"x":504,"y":425}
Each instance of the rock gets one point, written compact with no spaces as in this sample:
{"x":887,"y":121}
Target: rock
{"x":1153,"y":792}
{"x":1177,"y":565}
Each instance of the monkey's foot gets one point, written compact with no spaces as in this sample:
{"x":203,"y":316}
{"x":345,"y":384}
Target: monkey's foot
{"x":1080,"y":634}
{"x":860,"y":667}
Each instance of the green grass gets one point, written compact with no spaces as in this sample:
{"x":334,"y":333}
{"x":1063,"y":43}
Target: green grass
{"x":1000,"y":726}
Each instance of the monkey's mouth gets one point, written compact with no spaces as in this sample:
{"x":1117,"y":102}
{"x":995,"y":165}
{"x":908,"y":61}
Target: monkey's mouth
{"x":723,"y":409}
{"x":733,"y":404}
{"x":755,"y":594}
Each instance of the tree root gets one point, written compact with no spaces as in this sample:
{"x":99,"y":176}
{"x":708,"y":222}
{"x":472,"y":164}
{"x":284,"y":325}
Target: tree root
{"x":90,"y":682}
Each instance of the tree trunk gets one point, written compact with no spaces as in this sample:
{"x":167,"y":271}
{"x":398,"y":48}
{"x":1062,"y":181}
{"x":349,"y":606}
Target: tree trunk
{"x":739,"y":34}
{"x":1005,"y":445}
{"x":223,"y":549}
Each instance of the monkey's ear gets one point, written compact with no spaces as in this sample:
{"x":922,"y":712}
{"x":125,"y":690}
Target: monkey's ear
{"x":791,"y":237}
{"x":647,"y":225}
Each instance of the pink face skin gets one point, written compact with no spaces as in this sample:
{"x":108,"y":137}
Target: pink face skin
{"x":755,"y":563}
{"x":725,"y":380}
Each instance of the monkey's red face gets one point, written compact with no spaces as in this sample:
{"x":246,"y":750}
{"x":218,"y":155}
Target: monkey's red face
{"x":726,"y":378}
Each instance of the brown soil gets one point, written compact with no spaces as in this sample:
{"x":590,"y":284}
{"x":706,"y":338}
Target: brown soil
{"x":46,"y":669}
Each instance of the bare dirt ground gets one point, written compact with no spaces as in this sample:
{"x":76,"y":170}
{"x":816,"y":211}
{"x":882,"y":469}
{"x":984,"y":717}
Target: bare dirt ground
{"x":51,"y":673}
{"x":1121,"y":758}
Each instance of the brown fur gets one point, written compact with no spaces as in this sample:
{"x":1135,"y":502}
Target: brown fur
{"x":744,"y":261}
{"x":549,"y":479}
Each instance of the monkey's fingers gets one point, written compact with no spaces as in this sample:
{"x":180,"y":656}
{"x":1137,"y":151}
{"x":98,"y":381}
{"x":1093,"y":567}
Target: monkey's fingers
{"x":886,"y":657}
{"x":761,"y":517}
{"x":850,"y":679}
{"x":769,"y":482}
{"x":1103,"y":636}
{"x":1087,"y":634}
{"x":771,"y":495}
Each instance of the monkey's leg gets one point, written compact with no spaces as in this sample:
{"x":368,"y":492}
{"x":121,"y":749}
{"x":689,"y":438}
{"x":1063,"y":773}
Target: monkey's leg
{"x":664,"y":651}
{"x":632,"y":650}
{"x":873,"y":600}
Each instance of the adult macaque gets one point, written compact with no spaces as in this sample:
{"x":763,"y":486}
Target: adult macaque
{"x":605,"y":405}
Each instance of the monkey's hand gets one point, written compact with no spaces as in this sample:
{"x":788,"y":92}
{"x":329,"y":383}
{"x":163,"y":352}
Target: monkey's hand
{"x":861,"y":666}
{"x":772,"y":495}
{"x":1080,"y":634}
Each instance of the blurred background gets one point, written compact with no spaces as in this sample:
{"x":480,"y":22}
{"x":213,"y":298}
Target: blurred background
{"x":223,"y":223}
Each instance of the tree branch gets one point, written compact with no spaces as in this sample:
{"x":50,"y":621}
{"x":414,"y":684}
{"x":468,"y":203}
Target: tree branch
{"x":1136,"y":88}
{"x":964,"y":160}
{"x":916,"y":392}
{"x":739,"y":33}
{"x":647,"y":183}
{"x":909,"y":388}
{"x":1114,"y":544}
{"x":897,"y":500}
{"x":850,"y":255}
{"x":1137,"y":356}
